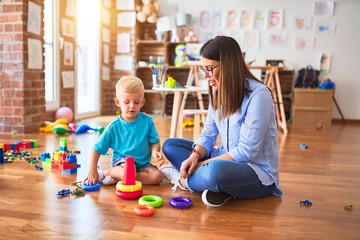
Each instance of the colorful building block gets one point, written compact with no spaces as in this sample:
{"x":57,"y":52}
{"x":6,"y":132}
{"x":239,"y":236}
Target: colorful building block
{"x":44,"y":156}
{"x":63,"y":144}
{"x":62,"y":159}
{"x":1,"y":156}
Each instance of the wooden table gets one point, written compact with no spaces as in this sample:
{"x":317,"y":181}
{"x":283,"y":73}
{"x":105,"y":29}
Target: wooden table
{"x":178,"y":97}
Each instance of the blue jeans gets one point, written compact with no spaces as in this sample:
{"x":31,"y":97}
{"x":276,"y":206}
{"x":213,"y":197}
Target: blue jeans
{"x":235,"y":178}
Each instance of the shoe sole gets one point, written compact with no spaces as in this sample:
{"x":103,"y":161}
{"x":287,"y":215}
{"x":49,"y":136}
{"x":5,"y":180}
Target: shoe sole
{"x":203,"y":198}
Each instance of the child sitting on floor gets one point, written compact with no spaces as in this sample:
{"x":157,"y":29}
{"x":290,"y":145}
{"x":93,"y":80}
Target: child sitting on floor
{"x":132,"y":133}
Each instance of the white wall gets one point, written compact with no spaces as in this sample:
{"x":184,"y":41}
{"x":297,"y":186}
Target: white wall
{"x":343,"y":46}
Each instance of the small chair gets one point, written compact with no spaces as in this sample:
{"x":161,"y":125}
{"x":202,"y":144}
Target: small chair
{"x":198,"y":113}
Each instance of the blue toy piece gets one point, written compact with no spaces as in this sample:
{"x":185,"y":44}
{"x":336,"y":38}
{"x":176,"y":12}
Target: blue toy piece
{"x":63,"y":193}
{"x":305,"y":202}
{"x":83,"y":128}
{"x":91,"y":188}
{"x":44,"y":156}
{"x":304,"y":146}
{"x":1,"y":156}
{"x":38,"y":167}
{"x":71,"y":158}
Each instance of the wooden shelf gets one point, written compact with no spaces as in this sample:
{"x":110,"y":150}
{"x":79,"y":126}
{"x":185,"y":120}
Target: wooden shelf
{"x":162,"y":53}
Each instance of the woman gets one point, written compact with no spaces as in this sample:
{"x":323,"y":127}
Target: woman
{"x":241,"y":111}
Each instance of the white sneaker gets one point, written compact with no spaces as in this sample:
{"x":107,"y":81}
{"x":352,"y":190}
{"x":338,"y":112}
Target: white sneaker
{"x":108,"y":180}
{"x":101,"y":175}
{"x":173,"y":176}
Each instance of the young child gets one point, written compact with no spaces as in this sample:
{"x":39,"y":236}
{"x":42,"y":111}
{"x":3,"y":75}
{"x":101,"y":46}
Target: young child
{"x":132,"y":133}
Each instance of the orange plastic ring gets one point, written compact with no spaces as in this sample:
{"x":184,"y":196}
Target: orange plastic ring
{"x":144,"y":210}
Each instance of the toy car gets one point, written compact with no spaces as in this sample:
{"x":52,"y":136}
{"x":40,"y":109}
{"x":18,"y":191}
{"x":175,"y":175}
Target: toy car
{"x":305,"y":202}
{"x":63,"y":193}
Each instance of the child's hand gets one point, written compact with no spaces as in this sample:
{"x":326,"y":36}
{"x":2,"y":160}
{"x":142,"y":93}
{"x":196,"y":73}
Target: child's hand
{"x":158,"y":157}
{"x":91,"y":178}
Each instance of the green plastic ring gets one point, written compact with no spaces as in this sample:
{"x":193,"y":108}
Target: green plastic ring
{"x":151,"y":200}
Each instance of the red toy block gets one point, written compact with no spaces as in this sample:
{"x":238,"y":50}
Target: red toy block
{"x":6,"y":147}
{"x":130,"y":172}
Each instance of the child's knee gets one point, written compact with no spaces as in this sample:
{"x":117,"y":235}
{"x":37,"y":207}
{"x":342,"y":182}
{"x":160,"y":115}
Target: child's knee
{"x":158,"y":177}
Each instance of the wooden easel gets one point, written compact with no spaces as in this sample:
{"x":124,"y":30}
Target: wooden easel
{"x":192,"y":80}
{"x":272,"y":81}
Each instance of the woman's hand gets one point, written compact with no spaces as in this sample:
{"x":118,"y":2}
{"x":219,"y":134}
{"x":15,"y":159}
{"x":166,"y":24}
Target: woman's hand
{"x":188,"y":167}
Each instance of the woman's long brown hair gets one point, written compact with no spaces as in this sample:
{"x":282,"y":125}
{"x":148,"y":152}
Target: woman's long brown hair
{"x":233,"y":86}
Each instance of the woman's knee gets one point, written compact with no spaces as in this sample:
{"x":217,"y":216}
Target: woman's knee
{"x":168,"y":145}
{"x":172,"y":144}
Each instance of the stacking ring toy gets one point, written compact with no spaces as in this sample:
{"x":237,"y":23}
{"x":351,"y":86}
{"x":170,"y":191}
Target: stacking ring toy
{"x":129,"y":195}
{"x":91,"y":188}
{"x":151,"y":200}
{"x":128,"y":188}
{"x":144,"y":210}
{"x":180,"y":202}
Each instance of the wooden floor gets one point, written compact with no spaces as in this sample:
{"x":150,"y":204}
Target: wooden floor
{"x":327,"y":174}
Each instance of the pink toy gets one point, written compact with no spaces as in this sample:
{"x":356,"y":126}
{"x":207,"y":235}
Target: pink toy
{"x":72,"y":127}
{"x":64,"y":112}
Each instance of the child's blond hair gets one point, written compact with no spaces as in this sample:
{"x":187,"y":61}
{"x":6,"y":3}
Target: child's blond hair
{"x":129,"y":84}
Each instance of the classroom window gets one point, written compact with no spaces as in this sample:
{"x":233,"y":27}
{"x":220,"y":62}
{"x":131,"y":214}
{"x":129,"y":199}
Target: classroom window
{"x":51,"y":50}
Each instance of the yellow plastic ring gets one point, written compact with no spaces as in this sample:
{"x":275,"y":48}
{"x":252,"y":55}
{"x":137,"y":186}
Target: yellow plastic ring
{"x":128,"y":188}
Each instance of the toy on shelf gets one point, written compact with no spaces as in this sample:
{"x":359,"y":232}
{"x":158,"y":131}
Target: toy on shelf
{"x":181,"y":58}
{"x":172,"y":83}
{"x":147,"y":12}
{"x":62,"y":159}
{"x":129,"y":188}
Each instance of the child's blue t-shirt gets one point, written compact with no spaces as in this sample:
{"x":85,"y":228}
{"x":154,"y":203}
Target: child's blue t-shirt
{"x":129,"y":139}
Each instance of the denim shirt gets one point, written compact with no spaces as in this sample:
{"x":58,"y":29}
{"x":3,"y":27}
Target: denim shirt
{"x":249,"y":135}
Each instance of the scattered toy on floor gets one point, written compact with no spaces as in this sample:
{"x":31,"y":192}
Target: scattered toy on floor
{"x":63,"y":193}
{"x":348,"y":207}
{"x":304,"y":146}
{"x":305,"y":202}
{"x":180,"y":202}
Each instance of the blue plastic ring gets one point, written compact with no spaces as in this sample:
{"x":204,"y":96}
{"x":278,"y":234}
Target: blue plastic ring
{"x":91,"y":188}
{"x":180,"y":202}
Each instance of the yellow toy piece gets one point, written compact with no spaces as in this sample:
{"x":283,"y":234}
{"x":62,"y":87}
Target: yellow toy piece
{"x":170,"y":83}
{"x":188,"y":123}
{"x":49,"y":126}
{"x":128,"y":188}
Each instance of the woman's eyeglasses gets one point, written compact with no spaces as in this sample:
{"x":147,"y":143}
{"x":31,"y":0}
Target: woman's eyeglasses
{"x":209,"y":71}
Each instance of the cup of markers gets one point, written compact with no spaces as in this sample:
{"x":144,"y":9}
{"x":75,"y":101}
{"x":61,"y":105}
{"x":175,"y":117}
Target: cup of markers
{"x":158,"y":75}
